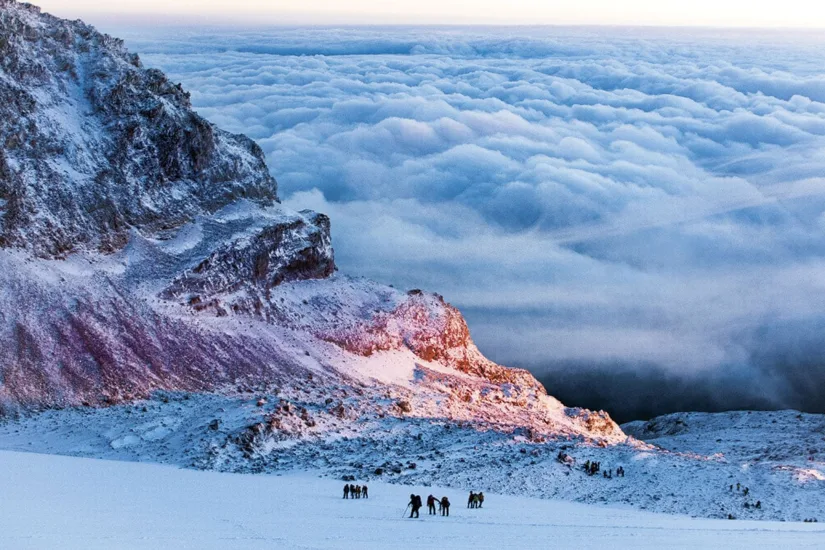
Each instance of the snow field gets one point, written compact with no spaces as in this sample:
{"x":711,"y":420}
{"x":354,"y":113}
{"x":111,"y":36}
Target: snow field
{"x":64,"y":502}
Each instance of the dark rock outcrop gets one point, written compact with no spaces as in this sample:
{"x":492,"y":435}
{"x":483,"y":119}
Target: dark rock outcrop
{"x":296,"y":249}
{"x":92,"y":145}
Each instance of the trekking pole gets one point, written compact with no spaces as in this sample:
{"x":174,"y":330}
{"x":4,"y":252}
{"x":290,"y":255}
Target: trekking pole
{"x":404,"y":514}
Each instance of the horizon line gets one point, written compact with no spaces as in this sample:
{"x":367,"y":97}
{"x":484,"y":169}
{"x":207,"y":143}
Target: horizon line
{"x":340,"y":20}
{"x":193,"y":22}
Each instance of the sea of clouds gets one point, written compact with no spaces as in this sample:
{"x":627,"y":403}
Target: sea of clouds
{"x":635,"y":215}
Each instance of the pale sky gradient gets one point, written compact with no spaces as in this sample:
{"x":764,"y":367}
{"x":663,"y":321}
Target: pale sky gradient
{"x":724,"y":13}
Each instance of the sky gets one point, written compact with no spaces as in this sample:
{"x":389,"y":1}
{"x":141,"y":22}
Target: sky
{"x":724,"y":13}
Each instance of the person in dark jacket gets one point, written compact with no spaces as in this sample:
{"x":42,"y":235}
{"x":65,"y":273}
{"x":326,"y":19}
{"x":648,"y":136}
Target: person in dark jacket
{"x":365,"y":492}
{"x":415,"y":505}
{"x":445,"y":506}
{"x":471,"y":501}
{"x":431,"y":505}
{"x":346,"y":490}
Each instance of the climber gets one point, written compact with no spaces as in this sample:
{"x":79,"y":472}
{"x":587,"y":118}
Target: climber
{"x":431,"y":505}
{"x":365,"y":491}
{"x":480,"y":499}
{"x":415,"y":504}
{"x":346,"y":490}
{"x":471,"y":500}
{"x":445,"y":506}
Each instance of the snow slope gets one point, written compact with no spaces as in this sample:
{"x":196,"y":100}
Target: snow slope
{"x":59,"y":502}
{"x":760,"y":443}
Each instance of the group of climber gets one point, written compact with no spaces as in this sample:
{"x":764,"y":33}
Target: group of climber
{"x":356,"y":491}
{"x":739,"y":488}
{"x":415,"y":505}
{"x":475,"y":500}
{"x":593,"y":468}
{"x":745,"y":492}
{"x":443,"y":505}
{"x":608,"y":474}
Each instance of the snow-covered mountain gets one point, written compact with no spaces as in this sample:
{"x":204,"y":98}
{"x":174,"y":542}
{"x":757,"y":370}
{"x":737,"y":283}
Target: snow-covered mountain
{"x":158,"y":303}
{"x":144,"y":249}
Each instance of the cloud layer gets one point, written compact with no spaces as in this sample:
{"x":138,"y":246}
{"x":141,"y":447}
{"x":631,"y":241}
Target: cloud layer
{"x":636,"y":216}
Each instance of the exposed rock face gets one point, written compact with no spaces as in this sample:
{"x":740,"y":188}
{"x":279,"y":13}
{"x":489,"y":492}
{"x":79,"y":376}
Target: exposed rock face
{"x":70,"y":339}
{"x":292,"y":250}
{"x":93,"y":145}
{"x":433,"y":330}
{"x":143,"y":249}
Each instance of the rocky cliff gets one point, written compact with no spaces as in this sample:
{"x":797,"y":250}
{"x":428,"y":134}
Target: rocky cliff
{"x":93,"y":145}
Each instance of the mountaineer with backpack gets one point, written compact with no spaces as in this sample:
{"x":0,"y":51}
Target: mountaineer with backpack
{"x":445,"y":506}
{"x":415,"y":504}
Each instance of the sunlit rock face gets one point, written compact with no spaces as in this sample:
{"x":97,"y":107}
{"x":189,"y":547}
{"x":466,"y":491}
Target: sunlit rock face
{"x":143,"y":249}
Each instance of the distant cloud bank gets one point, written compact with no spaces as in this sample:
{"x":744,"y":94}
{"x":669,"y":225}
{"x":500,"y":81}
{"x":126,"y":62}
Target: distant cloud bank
{"x":637,"y":218}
